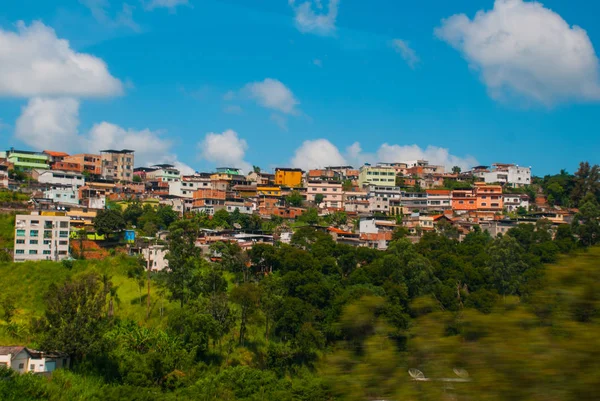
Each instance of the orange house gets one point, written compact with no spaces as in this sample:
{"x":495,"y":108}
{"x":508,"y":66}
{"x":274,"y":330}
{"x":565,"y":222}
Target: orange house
{"x":87,"y":162}
{"x":209,"y":197}
{"x":489,"y":197}
{"x":66,"y":166}
{"x":464,"y":200}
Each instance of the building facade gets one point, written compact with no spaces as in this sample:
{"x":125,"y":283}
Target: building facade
{"x":288,"y":177}
{"x":383,"y":176}
{"x":87,"y":162}
{"x":25,"y":161}
{"x":332,"y":194}
{"x":57,"y":177}
{"x":117,"y":164}
{"x":41,"y":237}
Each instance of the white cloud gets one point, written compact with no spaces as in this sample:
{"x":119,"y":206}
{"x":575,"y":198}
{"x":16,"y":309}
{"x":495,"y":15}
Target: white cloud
{"x":318,"y":22}
{"x":317,"y":153}
{"x":320,"y":153}
{"x":170,"y":4}
{"x":53,"y":124}
{"x":407,"y":53}
{"x":49,"y":123}
{"x":521,"y":48}
{"x":100,"y":10}
{"x":280,"y":120}
{"x":272,"y":94}
{"x":35,"y":62}
{"x":225,"y":150}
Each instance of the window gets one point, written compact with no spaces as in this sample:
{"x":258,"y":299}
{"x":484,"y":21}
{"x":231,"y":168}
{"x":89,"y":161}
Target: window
{"x":20,"y":241}
{"x":484,"y":204}
{"x":35,"y":222}
{"x":47,"y":242}
{"x":32,"y":367}
{"x":33,"y":252}
{"x":64,"y":234}
{"x":63,"y":242}
{"x":33,"y":241}
{"x":33,"y":233}
{"x":20,"y":251}
{"x":47,"y":234}
{"x":46,"y":253}
{"x":64,"y":224}
{"x":20,"y":233}
{"x":21,"y":365}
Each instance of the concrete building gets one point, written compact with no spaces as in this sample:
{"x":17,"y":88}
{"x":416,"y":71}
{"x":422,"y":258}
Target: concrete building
{"x":41,"y":237}
{"x":383,"y":176}
{"x":508,"y":174}
{"x":288,"y":177}
{"x":58,"y":177}
{"x":414,"y":201}
{"x":164,"y":173}
{"x":86,"y":162}
{"x":23,"y":160}
{"x":228,"y":170}
{"x":332,"y":194}
{"x":439,"y":199}
{"x":155,"y":256}
{"x":63,"y":195}
{"x":117,"y":164}
{"x":186,"y":187}
{"x":514,"y":201}
{"x":24,"y":360}
{"x":489,"y":197}
{"x":3,"y":176}
{"x":356,"y":202}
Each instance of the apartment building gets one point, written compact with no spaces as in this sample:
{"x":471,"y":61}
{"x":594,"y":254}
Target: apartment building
{"x":87,"y":162}
{"x":23,"y":160}
{"x":508,"y":174}
{"x":186,"y":187}
{"x":356,"y":202}
{"x":117,"y":164}
{"x":439,"y":199}
{"x":323,"y":175}
{"x":156,"y":257}
{"x":464,"y":200}
{"x":63,"y":195}
{"x":414,"y":201}
{"x":332,"y":194}
{"x":41,"y":237}
{"x":209,"y":200}
{"x":489,"y":197}
{"x":383,"y":176}
{"x":289,"y":177}
{"x":163,"y":173}
{"x":58,"y":177}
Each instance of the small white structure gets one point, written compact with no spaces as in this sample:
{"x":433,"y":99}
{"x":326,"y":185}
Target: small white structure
{"x":155,"y":255}
{"x":188,"y":185}
{"x":63,"y":195}
{"x":514,"y":201}
{"x":510,"y":174}
{"x":25,"y":360}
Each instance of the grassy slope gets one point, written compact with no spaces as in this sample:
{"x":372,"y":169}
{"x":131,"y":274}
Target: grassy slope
{"x":26,"y":283}
{"x":7,"y":230}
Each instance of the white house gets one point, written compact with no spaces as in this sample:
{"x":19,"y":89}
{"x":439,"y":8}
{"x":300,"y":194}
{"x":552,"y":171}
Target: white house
{"x":511,"y":174}
{"x":155,"y":255}
{"x":63,"y":195}
{"x":188,"y":185}
{"x":514,"y":201}
{"x":25,"y":360}
{"x":59,"y":177}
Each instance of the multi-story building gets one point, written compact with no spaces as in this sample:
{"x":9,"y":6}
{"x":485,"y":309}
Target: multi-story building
{"x":509,"y":174}
{"x":512,"y":202}
{"x":163,"y":173}
{"x":54,"y":158}
{"x":209,"y":200}
{"x":332,"y":194}
{"x":58,"y":177}
{"x":261,"y":178}
{"x":62,"y":195}
{"x":117,"y":164}
{"x":383,"y":176}
{"x":156,"y":257}
{"x":356,"y":202}
{"x":414,"y":202}
{"x":188,"y":184}
{"x":23,"y":160}
{"x":90,"y":163}
{"x":3,"y":176}
{"x":489,"y":197}
{"x":464,"y":200}
{"x":439,"y":199}
{"x":323,"y":176}
{"x":288,"y":177}
{"x":41,"y":237}
{"x":228,"y":170}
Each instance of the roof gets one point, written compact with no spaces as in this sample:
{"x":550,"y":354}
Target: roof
{"x":338,"y":231}
{"x":117,"y":151}
{"x":11,"y":350}
{"x":288,"y":169}
{"x":387,"y":236}
{"x":55,"y":154}
{"x":164,"y":166}
{"x":438,"y":191}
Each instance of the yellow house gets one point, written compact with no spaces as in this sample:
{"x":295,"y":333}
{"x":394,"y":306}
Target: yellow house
{"x":289,"y":177}
{"x":268,"y":190}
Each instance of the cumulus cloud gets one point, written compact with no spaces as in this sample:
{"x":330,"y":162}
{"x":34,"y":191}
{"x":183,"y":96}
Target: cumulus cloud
{"x":310,"y":17}
{"x":225,"y":149}
{"x":272,"y":94}
{"x":322,"y":153}
{"x":317,"y":153}
{"x":50,"y":123}
{"x":170,"y":4}
{"x":522,"y":48}
{"x":35,"y":62}
{"x":407,"y":53}
{"x":47,"y":123}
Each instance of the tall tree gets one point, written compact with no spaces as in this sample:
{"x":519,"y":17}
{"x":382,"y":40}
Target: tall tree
{"x":246,"y":296}
{"x":109,"y":221}
{"x":294,"y":199}
{"x":586,"y":223}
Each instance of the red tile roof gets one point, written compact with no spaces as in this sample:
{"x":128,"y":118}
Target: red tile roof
{"x":55,"y":154}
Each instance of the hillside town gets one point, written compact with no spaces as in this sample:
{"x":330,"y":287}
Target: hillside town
{"x":362,"y":206}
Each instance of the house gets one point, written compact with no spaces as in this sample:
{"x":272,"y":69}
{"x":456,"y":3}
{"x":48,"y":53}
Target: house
{"x":163,"y":173}
{"x":497,"y":227}
{"x":510,"y":174}
{"x":59,"y":177}
{"x":3,"y":176}
{"x":439,"y":199}
{"x":25,"y":360}
{"x":23,"y":160}
{"x":261,"y":178}
{"x":41,"y":237}
{"x":62,"y":194}
{"x":208,"y":200}
{"x":416,"y":222}
{"x":288,"y":177}
{"x":117,"y":164}
{"x":489,"y":197}
{"x":383,"y":176}
{"x":464,"y":200}
{"x":228,"y":170}
{"x":414,"y":202}
{"x":356,"y":202}
{"x":512,"y":202}
{"x":323,"y":175}
{"x":55,"y":158}
{"x":332,"y":193}
{"x":186,"y":187}
{"x":87,"y":162}
{"x":155,"y":256}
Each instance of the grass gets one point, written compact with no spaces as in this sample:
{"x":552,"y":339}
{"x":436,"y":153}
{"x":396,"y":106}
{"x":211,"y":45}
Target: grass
{"x":27,"y":283}
{"x":7,"y":230}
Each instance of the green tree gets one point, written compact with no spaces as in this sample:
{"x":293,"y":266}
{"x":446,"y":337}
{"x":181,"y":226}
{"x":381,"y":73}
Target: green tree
{"x":311,"y":216}
{"x":456,"y":170}
{"x":73,"y":321}
{"x":137,"y":179}
{"x":8,"y":308}
{"x":586,"y":223}
{"x":109,"y":221}
{"x":246,"y":296}
{"x":184,"y":262}
{"x":294,"y":199}
{"x":507,"y":265}
{"x":133,"y":212}
{"x":347,"y":185}
{"x":319,"y":199}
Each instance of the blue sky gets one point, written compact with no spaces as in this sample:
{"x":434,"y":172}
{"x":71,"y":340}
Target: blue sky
{"x":304,"y":83}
